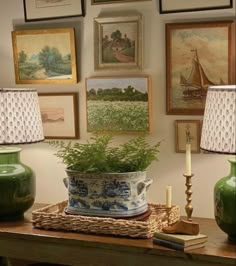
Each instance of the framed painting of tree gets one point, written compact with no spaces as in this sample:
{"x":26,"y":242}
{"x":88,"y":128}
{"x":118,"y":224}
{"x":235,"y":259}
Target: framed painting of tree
{"x":118,"y":104}
{"x":118,"y":42}
{"x":44,"y":56}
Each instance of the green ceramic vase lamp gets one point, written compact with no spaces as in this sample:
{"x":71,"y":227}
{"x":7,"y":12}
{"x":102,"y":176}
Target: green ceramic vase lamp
{"x":20,"y":123}
{"x":219,"y":136}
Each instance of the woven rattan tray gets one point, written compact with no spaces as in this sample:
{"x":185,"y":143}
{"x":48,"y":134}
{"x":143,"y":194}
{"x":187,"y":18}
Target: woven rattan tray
{"x":53,"y":217}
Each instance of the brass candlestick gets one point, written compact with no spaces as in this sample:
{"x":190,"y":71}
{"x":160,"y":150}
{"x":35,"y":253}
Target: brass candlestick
{"x":189,"y":192}
{"x":168,"y":210}
{"x":186,"y":227}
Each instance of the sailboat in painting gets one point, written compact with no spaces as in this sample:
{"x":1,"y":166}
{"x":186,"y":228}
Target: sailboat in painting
{"x":195,"y":86}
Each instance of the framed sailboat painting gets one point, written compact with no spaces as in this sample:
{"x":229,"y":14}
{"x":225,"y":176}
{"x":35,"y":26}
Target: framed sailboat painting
{"x":198,"y":55}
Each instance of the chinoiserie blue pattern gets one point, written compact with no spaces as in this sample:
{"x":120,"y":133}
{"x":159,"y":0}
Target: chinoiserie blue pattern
{"x":111,"y":195}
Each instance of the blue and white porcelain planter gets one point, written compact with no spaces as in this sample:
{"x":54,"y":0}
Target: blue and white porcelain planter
{"x":108,"y":194}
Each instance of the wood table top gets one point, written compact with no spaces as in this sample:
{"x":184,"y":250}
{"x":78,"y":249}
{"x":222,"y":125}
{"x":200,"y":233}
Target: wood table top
{"x":217,"y":247}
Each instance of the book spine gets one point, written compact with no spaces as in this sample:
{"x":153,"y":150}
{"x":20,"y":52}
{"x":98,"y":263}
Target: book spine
{"x":170,"y":239}
{"x":168,"y":244}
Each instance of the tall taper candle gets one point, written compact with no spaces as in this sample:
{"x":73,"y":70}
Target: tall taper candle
{"x":168,"y":196}
{"x":188,"y":159}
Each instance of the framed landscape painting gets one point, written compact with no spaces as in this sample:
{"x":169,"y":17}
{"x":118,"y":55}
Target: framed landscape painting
{"x":198,"y":55}
{"x":59,"y":112}
{"x":118,"y":104}
{"x":52,"y":9}
{"x":118,"y":43}
{"x":44,"y":56}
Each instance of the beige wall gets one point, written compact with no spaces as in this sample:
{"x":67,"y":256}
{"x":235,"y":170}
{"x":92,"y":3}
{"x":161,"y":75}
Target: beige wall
{"x":169,"y":170}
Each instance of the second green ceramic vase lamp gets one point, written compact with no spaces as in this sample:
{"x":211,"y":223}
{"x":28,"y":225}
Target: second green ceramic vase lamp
{"x":20,"y":123}
{"x":219,"y":136}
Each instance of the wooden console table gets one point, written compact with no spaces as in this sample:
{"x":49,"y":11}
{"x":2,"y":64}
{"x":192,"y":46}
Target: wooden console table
{"x":20,"y":240}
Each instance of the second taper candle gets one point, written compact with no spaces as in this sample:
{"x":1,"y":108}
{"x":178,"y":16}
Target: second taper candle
{"x":188,"y":159}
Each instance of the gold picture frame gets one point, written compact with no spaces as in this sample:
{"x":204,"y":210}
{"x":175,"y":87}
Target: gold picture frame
{"x":182,"y":127}
{"x":118,"y":42}
{"x":197,"y":55}
{"x":44,"y":56}
{"x":119,"y":104}
{"x":59,"y":112}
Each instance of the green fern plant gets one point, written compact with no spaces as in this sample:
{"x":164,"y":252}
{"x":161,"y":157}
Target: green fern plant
{"x":97,"y":155}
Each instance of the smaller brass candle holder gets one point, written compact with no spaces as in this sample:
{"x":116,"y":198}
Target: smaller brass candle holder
{"x":168,"y":210}
{"x":184,"y":226}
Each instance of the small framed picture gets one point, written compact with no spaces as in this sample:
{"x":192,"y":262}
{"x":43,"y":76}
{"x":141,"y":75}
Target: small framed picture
{"x":52,"y":9}
{"x":45,"y":56}
{"x":184,"y":129}
{"x":118,"y":104}
{"x":59,"y":112}
{"x":118,"y":42}
{"x":170,"y":6}
{"x":97,"y":2}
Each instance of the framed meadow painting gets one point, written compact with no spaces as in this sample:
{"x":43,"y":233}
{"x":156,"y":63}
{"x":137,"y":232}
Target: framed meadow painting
{"x":118,"y":42}
{"x":52,"y":9}
{"x":198,"y":55}
{"x":118,"y":104}
{"x":184,"y":127}
{"x":59,"y":112}
{"x":44,"y":56}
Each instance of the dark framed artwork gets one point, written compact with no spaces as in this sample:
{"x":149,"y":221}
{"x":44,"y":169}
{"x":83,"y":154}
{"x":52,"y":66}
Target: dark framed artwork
{"x":198,"y":55}
{"x":44,"y":56}
{"x":35,"y":10}
{"x":193,"y":128}
{"x":170,"y":6}
{"x":59,"y":112}
{"x":118,"y":104}
{"x":98,"y":2}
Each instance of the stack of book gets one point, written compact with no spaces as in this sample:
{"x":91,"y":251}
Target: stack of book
{"x":179,"y":241}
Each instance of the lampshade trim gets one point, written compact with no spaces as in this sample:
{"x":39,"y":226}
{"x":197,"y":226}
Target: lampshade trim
{"x":9,"y":150}
{"x":18,"y":90}
{"x":222,"y":87}
{"x":19,"y":143}
{"x":218,"y":152}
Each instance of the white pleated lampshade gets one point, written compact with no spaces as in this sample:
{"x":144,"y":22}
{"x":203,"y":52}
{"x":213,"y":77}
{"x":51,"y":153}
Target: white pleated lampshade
{"x":219,"y":123}
{"x":20,"y":118}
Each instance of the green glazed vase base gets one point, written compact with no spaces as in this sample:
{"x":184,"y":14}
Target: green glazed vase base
{"x":225,"y":202}
{"x":232,"y":238}
{"x":17,"y":185}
